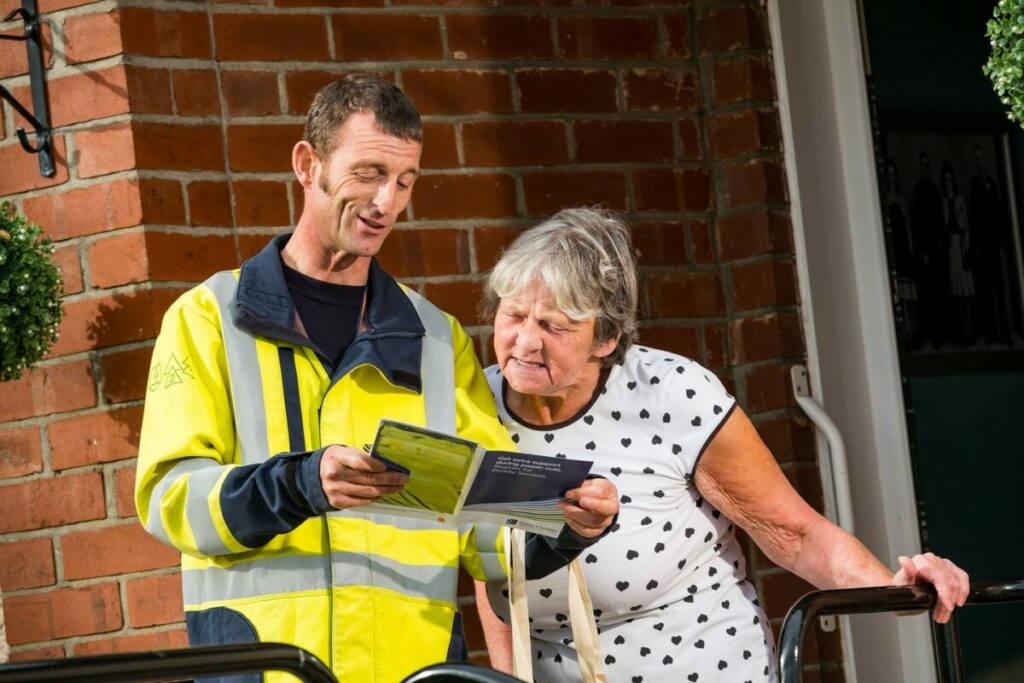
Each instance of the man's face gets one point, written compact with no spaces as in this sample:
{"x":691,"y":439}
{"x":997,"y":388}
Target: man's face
{"x":360,"y":190}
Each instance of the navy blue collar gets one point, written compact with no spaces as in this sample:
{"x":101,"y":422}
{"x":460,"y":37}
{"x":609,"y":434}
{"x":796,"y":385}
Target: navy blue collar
{"x":391,"y":341}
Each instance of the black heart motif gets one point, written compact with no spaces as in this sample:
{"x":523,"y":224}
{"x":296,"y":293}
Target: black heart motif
{"x":644,"y":651}
{"x":615,"y":527}
{"x":688,"y":532}
{"x":625,"y":499}
{"x":632,"y":554}
{"x":504,"y":592}
{"x":515,"y":438}
{"x":659,"y":494}
{"x":699,"y":503}
{"x":691,"y":589}
{"x":757,"y":620}
{"x":658,"y":547}
{"x":676,"y":640}
{"x":668,"y":526}
{"x":609,"y":660}
{"x":645,"y":521}
{"x":676,"y":449}
{"x":589,"y":419}
{"x":631,"y":385}
{"x":659,"y":626}
{"x":699,"y":644}
{"x":692,"y":678}
{"x":717,"y":409}
{"x":715,"y":586}
{"x":549,"y":437}
{"x":643,"y":349}
{"x":680,"y":369}
{"x":625,"y":442}
{"x":667,"y":660}
{"x":712,"y":571}
{"x":709,"y":537}
{"x":648,"y":470}
{"x":616,"y":471}
{"x":597,"y":613}
{"x":560,"y":617}
{"x":731,"y":630}
{"x":655,"y":440}
{"x":652,"y":584}
{"x":616,"y":414}
{"x":682,"y":563}
{"x":695,"y":421}
{"x":566,"y":641}
{"x":637,"y":679}
{"x":725,"y":604}
{"x":688,"y":598}
{"x":746,"y":654}
{"x":722,"y":664}
{"x":690,"y":393}
{"x":702,"y":618}
{"x":590,"y":446}
{"x":655,"y":380}
{"x":644,"y":414}
{"x":622,"y":585}
{"x":666,"y":418}
{"x":591,"y":558}
{"x":545,"y":592}
{"x":558,"y":658}
{"x":636,"y":608}
{"x":619,"y":640}
{"x":716,"y":513}
{"x":559,"y":455}
{"x":718,"y":546}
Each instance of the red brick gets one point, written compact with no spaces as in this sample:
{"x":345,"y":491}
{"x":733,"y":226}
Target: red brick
{"x":358,"y":37}
{"x":172,"y":147}
{"x":124,"y":374}
{"x":452,"y":91}
{"x":20,"y":454}
{"x":37,"y":654}
{"x":714,"y":347}
{"x":480,"y":195}
{"x":162,"y":203}
{"x":677,"y":33}
{"x":700,"y":238}
{"x":689,"y":136}
{"x":752,"y":233}
{"x":514,"y":143}
{"x":661,"y":90}
{"x":92,"y":209}
{"x":165,"y":34}
{"x":623,"y":141}
{"x":196,"y":92}
{"x":608,"y":38}
{"x":105,"y":150}
{"x":790,"y":438}
{"x":747,"y":78}
{"x":67,"y":260}
{"x":735,"y":133}
{"x":149,"y":90}
{"x":767,"y":388}
{"x":62,"y":613}
{"x":460,"y":298}
{"x":114,"y":550}
{"x":140,"y":642}
{"x":765,"y":336}
{"x":685,"y":294}
{"x":754,"y":181}
{"x":92,"y":36}
{"x":124,"y":491}
{"x":19,"y":172}
{"x":271,"y":37}
{"x":33,"y":504}
{"x":505,"y":36}
{"x":27,"y":564}
{"x":250,"y":93}
{"x":547,"y":192}
{"x":262,"y":147}
{"x":565,"y":90}
{"x":176,"y":256}
{"x":413,"y":253}
{"x":46,"y":6}
{"x":489,"y":242}
{"x":681,"y":340}
{"x":259,"y":202}
{"x":439,"y":147}
{"x":302,"y":86}
{"x":14,"y":61}
{"x":95,"y":438}
{"x":209,"y":203}
{"x":83,"y":96}
{"x":154,"y":600}
{"x":118,"y":259}
{"x":250,"y":244}
{"x":763,"y":283}
{"x":659,"y":244}
{"x":48,"y":389}
{"x":668,"y":189}
{"x":108,"y":321}
{"x":732,"y":28}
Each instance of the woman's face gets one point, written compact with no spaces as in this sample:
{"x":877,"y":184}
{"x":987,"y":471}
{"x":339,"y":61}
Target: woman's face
{"x":543,"y":352}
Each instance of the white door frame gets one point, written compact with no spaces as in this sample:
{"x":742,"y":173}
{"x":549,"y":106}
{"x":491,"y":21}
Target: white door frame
{"x":846,"y":301}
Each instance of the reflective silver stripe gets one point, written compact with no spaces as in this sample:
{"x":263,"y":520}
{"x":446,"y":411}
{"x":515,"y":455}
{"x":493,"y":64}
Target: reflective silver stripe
{"x":244,"y":369}
{"x":486,"y":542}
{"x":301,"y":573}
{"x":437,"y":365}
{"x":403,"y":523}
{"x":155,"y":524}
{"x":200,"y":520}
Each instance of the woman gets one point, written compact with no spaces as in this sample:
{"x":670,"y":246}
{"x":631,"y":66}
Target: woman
{"x":668,"y":583}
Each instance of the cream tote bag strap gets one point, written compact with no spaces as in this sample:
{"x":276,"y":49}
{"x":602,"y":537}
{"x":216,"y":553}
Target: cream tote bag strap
{"x":581,"y":616}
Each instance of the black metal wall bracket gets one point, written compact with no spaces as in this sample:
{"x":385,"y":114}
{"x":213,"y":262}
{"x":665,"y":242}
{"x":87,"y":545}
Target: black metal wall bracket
{"x":40,"y":119}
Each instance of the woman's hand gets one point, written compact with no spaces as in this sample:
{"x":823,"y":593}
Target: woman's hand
{"x":951,"y":583}
{"x":596,"y":502}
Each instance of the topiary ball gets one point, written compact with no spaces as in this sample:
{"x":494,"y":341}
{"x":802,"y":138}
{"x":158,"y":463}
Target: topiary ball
{"x":1005,"y":66}
{"x":30,"y":290}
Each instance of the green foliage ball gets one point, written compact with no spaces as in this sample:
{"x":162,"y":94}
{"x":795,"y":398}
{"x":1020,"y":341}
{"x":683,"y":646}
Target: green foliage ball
{"x":30,"y":289}
{"x":1005,"y":66}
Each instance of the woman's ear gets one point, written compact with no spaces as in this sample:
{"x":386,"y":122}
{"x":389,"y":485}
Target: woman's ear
{"x":603,"y":349}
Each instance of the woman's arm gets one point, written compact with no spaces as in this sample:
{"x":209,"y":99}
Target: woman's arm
{"x":738,"y":475}
{"x":497,"y":634}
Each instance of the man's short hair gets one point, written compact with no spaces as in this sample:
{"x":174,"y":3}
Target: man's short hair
{"x":360,"y":93}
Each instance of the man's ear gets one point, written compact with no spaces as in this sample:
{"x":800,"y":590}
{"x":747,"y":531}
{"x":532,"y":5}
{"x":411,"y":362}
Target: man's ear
{"x":304,"y":160}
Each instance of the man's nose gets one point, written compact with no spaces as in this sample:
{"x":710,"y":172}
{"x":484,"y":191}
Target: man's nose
{"x":386,"y":197}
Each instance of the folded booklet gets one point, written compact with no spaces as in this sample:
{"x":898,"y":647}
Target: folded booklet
{"x":454,"y":480}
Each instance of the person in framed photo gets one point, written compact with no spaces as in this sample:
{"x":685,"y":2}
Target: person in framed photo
{"x":989,"y":247}
{"x":958,"y":240}
{"x":898,"y":214}
{"x":926,"y":222}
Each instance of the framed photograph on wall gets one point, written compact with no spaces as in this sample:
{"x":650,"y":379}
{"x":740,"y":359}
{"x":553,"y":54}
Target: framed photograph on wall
{"x":949,"y":204}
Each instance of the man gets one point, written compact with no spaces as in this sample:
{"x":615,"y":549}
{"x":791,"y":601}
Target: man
{"x":265,"y":385}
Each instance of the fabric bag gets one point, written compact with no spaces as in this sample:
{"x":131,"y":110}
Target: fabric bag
{"x":581,"y":616}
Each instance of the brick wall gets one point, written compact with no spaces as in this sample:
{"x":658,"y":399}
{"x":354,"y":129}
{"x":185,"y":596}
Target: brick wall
{"x":174,"y":124}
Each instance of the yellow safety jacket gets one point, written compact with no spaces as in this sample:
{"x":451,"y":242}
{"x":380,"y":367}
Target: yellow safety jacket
{"x":238,"y":409}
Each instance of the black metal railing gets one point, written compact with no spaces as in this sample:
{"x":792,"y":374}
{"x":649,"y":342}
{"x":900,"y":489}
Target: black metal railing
{"x":886,"y":599}
{"x":459,"y":673}
{"x":168,"y":665}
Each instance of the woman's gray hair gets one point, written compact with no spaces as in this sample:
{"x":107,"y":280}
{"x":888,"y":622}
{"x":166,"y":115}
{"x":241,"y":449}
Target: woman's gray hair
{"x":585,"y":257}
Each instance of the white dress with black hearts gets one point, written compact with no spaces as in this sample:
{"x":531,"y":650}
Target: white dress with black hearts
{"x":668,"y":585}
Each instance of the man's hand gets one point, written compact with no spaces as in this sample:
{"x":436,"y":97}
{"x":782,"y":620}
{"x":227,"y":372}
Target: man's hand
{"x":351,"y":478}
{"x":597,"y":503}
{"x":951,"y":583}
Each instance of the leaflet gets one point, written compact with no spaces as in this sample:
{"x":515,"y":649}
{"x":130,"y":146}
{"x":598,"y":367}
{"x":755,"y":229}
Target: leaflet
{"x":453,"y":480}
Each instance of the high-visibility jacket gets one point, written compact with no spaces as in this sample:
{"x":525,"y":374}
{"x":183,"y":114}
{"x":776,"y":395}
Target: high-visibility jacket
{"x":239,"y":407}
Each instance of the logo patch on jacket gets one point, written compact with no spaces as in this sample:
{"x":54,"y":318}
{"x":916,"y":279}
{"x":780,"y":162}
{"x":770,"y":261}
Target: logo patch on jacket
{"x":166,"y":373}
